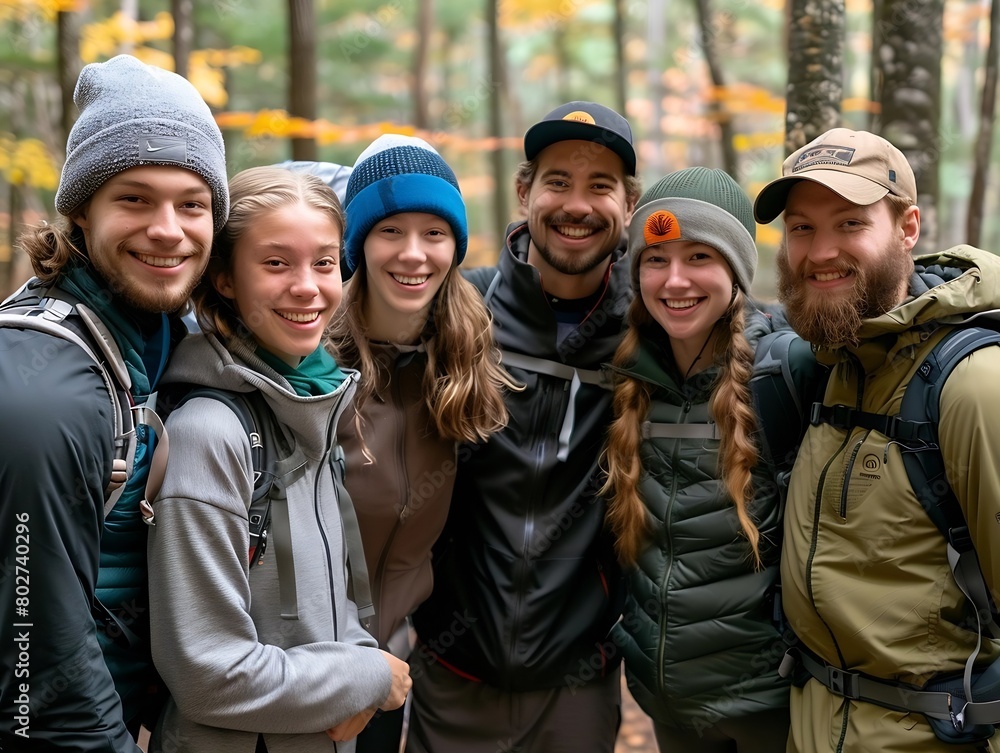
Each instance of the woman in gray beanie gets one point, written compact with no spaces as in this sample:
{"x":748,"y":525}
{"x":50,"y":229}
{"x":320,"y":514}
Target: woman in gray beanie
{"x":693,"y":493}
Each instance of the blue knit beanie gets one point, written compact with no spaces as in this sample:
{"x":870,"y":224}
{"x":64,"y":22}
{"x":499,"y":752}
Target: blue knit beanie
{"x":397,"y":174}
{"x":134,"y":114}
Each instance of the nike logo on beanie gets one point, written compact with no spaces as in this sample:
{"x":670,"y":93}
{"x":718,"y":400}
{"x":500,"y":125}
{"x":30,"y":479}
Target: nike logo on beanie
{"x":162,"y":148}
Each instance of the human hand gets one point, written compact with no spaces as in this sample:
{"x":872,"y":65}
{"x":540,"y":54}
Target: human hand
{"x":401,"y":682}
{"x":350,"y":727}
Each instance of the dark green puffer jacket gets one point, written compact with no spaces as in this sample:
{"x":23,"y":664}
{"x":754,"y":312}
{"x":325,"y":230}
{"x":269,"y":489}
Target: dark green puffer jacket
{"x":697,"y":637}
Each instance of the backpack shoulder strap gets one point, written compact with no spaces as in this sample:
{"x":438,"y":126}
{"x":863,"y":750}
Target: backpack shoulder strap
{"x":921,"y":404}
{"x":786,"y":380}
{"x":54,"y":313}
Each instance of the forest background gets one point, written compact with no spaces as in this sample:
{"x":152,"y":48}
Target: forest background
{"x":735,"y":84}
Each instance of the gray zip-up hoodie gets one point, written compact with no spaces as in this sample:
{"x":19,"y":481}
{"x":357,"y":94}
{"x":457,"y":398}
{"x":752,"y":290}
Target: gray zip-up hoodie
{"x":234,"y":666}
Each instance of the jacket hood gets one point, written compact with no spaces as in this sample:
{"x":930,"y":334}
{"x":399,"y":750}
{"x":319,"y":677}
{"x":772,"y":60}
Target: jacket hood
{"x":950,"y":287}
{"x":201,"y":360}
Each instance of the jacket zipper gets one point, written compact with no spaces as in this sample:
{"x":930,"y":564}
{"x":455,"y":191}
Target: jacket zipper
{"x":847,"y":478}
{"x":817,"y":510}
{"x":529,"y":530}
{"x":665,"y":585}
{"x":326,"y":462}
{"x":404,"y":486}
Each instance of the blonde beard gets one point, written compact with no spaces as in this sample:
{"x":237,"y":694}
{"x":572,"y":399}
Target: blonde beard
{"x":834,"y":321}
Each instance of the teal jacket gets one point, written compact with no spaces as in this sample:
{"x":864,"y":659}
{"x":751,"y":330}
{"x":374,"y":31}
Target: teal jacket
{"x":697,"y":635}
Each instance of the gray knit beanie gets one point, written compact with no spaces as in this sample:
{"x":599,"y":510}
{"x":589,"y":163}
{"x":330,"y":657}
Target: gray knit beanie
{"x":134,"y":114}
{"x":697,"y":204}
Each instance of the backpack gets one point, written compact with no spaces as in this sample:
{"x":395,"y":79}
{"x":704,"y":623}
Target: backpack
{"x":50,"y":310}
{"x":275,"y":465}
{"x":914,"y":428}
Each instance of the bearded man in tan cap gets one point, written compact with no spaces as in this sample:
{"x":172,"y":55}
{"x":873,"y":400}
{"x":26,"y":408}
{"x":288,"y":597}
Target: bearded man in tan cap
{"x":889,"y":648}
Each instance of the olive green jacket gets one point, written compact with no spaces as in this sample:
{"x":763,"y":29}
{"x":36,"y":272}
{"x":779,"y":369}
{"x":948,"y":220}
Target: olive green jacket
{"x":865,"y":578}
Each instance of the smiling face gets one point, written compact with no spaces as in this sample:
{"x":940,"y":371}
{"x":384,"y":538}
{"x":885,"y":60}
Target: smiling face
{"x":577,"y":212}
{"x":408,"y":256}
{"x":285,"y":279}
{"x":686,"y":287}
{"x":841,"y":263}
{"x":149,"y":232}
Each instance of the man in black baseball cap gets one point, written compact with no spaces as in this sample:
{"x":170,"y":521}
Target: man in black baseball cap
{"x":583,"y":121}
{"x":514,"y":640}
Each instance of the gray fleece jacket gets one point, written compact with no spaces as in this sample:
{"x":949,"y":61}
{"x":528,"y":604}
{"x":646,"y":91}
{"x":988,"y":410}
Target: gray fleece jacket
{"x":234,"y":666}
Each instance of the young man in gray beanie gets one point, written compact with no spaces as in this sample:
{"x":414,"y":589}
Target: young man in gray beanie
{"x":143,"y":190}
{"x":514,"y":651}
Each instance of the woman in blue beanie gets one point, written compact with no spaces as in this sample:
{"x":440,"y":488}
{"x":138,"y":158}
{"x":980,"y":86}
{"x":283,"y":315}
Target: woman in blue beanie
{"x":266,"y":651}
{"x":693,"y":497}
{"x":431,"y":377}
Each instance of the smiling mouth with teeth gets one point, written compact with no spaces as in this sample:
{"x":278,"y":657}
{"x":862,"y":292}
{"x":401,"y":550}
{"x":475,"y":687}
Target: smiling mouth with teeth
{"x":310,"y":316}
{"x":828,"y":276}
{"x":402,"y":280}
{"x":574,"y":232}
{"x":159,"y":261}
{"x":681,"y":304}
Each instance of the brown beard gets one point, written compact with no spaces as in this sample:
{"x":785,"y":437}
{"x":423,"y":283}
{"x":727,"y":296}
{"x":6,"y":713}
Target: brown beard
{"x":834,"y":320}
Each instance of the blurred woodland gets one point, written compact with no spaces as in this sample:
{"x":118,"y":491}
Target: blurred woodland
{"x":735,"y":84}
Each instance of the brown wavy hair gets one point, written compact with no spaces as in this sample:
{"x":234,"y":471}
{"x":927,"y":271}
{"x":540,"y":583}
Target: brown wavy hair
{"x":463,"y":380}
{"x":251,"y":193}
{"x":51,"y":246}
{"x":731,"y":406}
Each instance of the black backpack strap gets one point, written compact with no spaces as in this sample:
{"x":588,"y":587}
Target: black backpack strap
{"x":922,"y":403}
{"x":786,"y":379}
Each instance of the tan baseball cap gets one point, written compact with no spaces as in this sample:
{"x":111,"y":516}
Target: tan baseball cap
{"x":858,"y":165}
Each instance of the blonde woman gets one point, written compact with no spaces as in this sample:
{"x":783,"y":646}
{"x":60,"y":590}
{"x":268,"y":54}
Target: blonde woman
{"x":431,"y":378}
{"x":692,"y":500}
{"x":266,"y":652}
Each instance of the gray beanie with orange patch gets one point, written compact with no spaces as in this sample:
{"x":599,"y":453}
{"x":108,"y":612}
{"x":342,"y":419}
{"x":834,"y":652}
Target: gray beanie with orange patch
{"x":702,"y":205}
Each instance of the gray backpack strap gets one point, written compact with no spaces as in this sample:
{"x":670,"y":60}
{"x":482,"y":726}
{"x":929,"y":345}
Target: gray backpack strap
{"x":286,"y":473}
{"x":48,"y":317}
{"x":571,"y":374}
{"x":652,"y":430}
{"x":357,"y":565}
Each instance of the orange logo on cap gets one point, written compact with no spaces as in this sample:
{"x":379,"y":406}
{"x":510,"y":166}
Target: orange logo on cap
{"x":661,"y":226}
{"x":580,"y":117}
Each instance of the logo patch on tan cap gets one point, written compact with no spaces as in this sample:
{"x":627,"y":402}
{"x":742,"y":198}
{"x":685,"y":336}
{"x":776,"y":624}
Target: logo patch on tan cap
{"x":661,"y":226}
{"x":824,"y":155}
{"x":580,"y":117}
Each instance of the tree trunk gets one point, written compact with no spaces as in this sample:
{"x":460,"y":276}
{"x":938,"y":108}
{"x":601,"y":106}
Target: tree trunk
{"x":183,"y":12}
{"x":984,"y":142}
{"x":621,"y":74}
{"x":709,"y":47}
{"x":656,"y":27}
{"x":909,"y":56}
{"x":815,"y":70}
{"x":69,"y":64}
{"x":421,"y":55}
{"x":302,"y":72}
{"x":501,"y":214}
{"x":875,"y":72}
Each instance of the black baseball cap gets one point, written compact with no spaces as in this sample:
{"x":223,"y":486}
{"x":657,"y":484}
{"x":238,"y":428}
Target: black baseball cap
{"x":583,"y":121}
